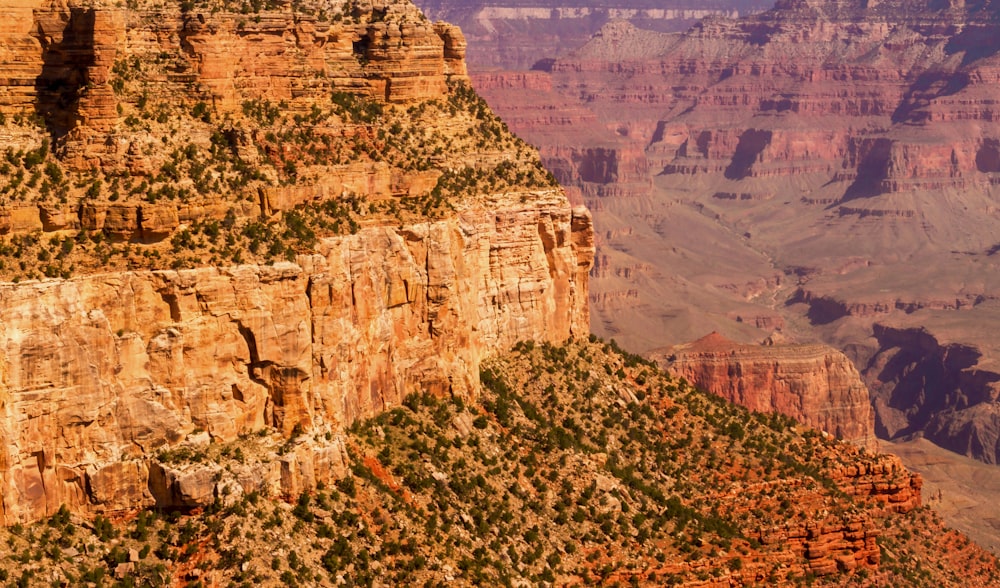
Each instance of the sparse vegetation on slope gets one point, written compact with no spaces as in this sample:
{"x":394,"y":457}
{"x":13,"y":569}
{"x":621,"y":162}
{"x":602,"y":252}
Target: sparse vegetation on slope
{"x":167,"y":170}
{"x":227,"y":165}
{"x":579,"y":464}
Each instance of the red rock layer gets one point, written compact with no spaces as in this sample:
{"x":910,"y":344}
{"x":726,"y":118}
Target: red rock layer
{"x":814,"y":384}
{"x":729,"y":90}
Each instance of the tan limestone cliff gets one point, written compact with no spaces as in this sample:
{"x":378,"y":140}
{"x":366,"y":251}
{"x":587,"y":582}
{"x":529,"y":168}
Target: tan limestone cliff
{"x":343,"y":219}
{"x":100,"y":372}
{"x":69,"y":63}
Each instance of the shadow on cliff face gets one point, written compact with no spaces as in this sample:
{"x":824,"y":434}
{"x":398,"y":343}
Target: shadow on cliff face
{"x":872,"y":169}
{"x":974,"y":432}
{"x":752,"y":143}
{"x":64,"y":66}
{"x":927,"y":87}
{"x":822,"y":311}
{"x":545,"y":64}
{"x":988,"y":158}
{"x":598,"y":165}
{"x":921,"y":387}
{"x":976,"y":40}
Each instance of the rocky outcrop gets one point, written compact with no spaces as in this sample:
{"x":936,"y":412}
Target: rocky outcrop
{"x":346,"y":223}
{"x":101,"y":372}
{"x":20,"y":53}
{"x":399,"y":55}
{"x":67,"y":63}
{"x":882,"y":478}
{"x":814,"y":384}
{"x":842,"y":544}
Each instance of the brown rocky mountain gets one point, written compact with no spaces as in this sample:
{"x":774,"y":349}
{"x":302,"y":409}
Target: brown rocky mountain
{"x":222,"y":218}
{"x":821,"y":168}
{"x":257,"y":253}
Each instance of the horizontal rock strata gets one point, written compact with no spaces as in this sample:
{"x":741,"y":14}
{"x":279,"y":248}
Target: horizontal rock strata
{"x":101,"y":372}
{"x":814,"y":384}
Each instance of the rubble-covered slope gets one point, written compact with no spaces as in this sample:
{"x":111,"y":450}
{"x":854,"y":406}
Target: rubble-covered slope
{"x":578,"y":465}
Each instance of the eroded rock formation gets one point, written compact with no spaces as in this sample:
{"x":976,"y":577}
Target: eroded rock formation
{"x":335,"y":243}
{"x":814,"y":384}
{"x":518,"y":35}
{"x":936,"y":389}
{"x":66,"y":62}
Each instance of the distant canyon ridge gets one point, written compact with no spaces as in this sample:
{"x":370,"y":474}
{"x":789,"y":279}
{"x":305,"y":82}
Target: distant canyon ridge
{"x":512,"y":34}
{"x":827,"y":170}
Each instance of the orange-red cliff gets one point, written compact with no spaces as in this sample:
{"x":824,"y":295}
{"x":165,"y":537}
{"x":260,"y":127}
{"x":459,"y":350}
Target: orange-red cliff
{"x":814,"y":384}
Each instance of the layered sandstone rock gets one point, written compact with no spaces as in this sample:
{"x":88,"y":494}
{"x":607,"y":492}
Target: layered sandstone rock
{"x":392,"y":248}
{"x":837,"y":544}
{"x":814,"y":384}
{"x":101,"y":372}
{"x":18,"y":54}
{"x":68,"y":62}
{"x":883,"y":478}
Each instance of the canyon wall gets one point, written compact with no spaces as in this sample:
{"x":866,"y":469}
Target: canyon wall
{"x":827,"y":170}
{"x":68,"y":63}
{"x":218,"y":223}
{"x":813,"y":384}
{"x":518,"y":35}
{"x":101,"y":372}
{"x":935,"y":389}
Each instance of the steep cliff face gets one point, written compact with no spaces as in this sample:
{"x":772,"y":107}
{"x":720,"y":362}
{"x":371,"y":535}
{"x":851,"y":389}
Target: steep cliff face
{"x":70,"y":63}
{"x":274,"y":220}
{"x":814,"y":384}
{"x":936,"y":389}
{"x":101,"y":372}
{"x":684,"y":489}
